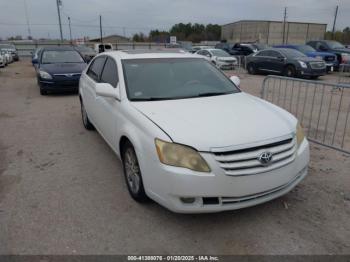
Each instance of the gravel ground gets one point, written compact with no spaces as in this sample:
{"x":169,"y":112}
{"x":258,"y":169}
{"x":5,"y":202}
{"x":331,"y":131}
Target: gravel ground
{"x":62,"y":192}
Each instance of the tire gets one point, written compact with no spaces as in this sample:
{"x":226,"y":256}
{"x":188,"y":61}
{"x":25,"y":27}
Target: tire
{"x":314,"y":77}
{"x":86,"y":122}
{"x":132,"y":173}
{"x":289,"y":71}
{"x":43,"y":92}
{"x":251,"y":69}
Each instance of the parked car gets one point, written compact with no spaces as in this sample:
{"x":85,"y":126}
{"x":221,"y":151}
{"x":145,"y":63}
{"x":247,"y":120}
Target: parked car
{"x":7,"y":56}
{"x":12,"y":50}
{"x":187,"y":137}
{"x":329,"y":58}
{"x":227,"y":47}
{"x":86,"y":52}
{"x":35,"y":56}
{"x":2,"y":60}
{"x":200,"y":47}
{"x":59,"y":69}
{"x":100,"y":48}
{"x":244,"y":49}
{"x":334,"y":47}
{"x":285,"y":61}
{"x":219,"y":58}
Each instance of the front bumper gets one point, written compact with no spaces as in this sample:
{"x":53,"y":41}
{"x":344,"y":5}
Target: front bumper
{"x":312,"y":72}
{"x":167,"y":185}
{"x":47,"y":85}
{"x":226,"y":65}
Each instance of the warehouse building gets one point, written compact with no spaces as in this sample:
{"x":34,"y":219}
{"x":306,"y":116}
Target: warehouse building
{"x":271,"y":32}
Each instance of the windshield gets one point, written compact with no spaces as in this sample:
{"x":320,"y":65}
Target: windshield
{"x":53,"y":57}
{"x":292,"y":53}
{"x":305,"y":48}
{"x":174,"y":78}
{"x":335,"y":45}
{"x":219,"y":52}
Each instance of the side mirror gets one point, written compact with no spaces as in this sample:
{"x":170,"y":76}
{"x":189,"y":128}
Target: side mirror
{"x":235,"y":80}
{"x":35,"y":61}
{"x":106,"y":90}
{"x":281,"y":58}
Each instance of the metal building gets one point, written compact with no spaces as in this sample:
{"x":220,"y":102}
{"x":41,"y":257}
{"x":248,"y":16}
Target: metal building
{"x":271,"y":32}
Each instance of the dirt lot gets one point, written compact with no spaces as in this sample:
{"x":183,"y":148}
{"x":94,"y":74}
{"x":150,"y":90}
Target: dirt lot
{"x":62,"y":192}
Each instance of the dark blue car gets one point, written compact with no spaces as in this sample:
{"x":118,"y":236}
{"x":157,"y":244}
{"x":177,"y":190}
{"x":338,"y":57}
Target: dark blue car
{"x":329,"y":58}
{"x":58,"y":69}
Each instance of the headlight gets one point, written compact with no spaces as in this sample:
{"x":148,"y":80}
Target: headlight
{"x":44,"y":75}
{"x":181,"y":156}
{"x":302,"y":64}
{"x":300,"y":134}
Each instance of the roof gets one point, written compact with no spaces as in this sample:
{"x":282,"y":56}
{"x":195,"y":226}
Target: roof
{"x":58,"y":48}
{"x":273,"y":21}
{"x":149,"y":54}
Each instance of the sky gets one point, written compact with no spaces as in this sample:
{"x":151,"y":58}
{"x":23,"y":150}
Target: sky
{"x":126,"y":17}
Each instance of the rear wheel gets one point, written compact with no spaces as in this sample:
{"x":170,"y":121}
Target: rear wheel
{"x":132,"y":173}
{"x":290,"y":71}
{"x":251,"y":69}
{"x":86,"y":122}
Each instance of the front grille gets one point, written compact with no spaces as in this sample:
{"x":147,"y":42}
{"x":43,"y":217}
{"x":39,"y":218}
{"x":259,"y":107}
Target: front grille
{"x":245,"y":161}
{"x":317,"y":65}
{"x":329,"y":58}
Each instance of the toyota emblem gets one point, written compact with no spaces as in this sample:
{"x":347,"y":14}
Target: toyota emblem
{"x":265,"y":158}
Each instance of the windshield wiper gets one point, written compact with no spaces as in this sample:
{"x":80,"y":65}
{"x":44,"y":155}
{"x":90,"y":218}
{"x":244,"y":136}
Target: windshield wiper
{"x":213,"y":94}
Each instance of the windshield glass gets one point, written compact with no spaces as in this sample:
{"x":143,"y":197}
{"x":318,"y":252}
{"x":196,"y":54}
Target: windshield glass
{"x":335,"y":45}
{"x":52,"y":57}
{"x":292,"y":53}
{"x":174,"y":78}
{"x":260,"y":46}
{"x":305,"y":48}
{"x":219,"y":52}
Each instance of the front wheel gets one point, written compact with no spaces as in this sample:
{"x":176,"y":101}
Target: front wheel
{"x":251,"y":69}
{"x":43,"y":92}
{"x":290,"y":71}
{"x":132,"y":173}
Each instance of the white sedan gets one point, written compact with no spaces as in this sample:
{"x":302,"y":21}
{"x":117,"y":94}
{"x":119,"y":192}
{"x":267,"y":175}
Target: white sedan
{"x":187,"y":136}
{"x":218,"y":57}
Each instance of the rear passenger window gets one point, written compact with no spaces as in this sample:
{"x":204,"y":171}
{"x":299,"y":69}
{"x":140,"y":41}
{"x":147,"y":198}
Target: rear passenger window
{"x":110,"y":73}
{"x":263,"y":53}
{"x":95,"y":68}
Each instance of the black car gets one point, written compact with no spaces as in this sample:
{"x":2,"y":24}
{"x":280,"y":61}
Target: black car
{"x":288,"y":62}
{"x":334,"y":47}
{"x":59,"y":69}
{"x":87,"y":52}
{"x":227,"y":47}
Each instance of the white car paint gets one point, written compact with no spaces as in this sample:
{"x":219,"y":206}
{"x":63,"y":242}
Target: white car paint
{"x":214,"y":126}
{"x":220,"y":61}
{"x":2,"y":61}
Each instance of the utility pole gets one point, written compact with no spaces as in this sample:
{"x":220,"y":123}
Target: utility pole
{"x":284,"y":24}
{"x":27,"y":18}
{"x":70,"y":31}
{"x":59,"y":2}
{"x":101,"y":29}
{"x":124,"y":32}
{"x":335,"y":21}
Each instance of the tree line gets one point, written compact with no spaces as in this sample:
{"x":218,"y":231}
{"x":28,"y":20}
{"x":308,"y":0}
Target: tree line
{"x":183,"y":32}
{"x":340,"y":36}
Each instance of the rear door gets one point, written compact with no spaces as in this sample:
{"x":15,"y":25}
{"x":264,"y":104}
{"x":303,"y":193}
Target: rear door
{"x":108,"y":108}
{"x":88,"y":83}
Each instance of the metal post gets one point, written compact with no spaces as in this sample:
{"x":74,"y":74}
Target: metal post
{"x":101,"y":29}
{"x":284,"y":24}
{"x":334,"y":22}
{"x":58,"y":2}
{"x":70,"y":31}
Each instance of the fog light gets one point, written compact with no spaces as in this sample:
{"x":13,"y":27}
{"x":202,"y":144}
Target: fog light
{"x":187,"y":200}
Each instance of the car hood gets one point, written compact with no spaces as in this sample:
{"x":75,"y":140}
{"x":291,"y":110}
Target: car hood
{"x":315,"y":54}
{"x":63,"y":68}
{"x":343,"y":50}
{"x":216,"y":122}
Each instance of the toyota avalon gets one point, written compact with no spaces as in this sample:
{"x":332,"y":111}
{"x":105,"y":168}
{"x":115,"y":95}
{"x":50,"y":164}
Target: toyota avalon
{"x":187,"y":136}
